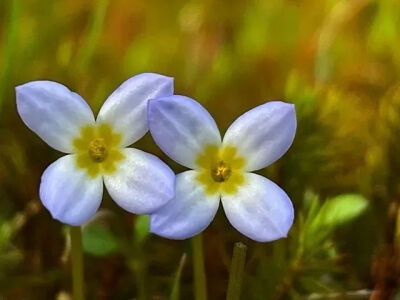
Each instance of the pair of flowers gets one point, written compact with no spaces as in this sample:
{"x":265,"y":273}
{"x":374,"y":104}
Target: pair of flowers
{"x":179,"y":206}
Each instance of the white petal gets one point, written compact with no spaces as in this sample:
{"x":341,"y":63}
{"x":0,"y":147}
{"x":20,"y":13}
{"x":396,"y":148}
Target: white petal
{"x":53,"y":112}
{"x":142,"y":183}
{"x":263,"y":134}
{"x":189,"y":213}
{"x":68,"y":193}
{"x":125,"y":109}
{"x":181,"y":127}
{"x":260,"y":209}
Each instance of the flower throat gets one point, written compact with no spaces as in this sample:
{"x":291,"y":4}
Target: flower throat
{"x":98,"y":150}
{"x":221,"y":172}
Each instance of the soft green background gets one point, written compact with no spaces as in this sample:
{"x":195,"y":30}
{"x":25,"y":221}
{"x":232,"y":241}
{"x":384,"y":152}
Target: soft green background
{"x":337,"y":60}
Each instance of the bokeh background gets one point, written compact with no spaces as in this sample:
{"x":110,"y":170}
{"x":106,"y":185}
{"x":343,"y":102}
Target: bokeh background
{"x":338,"y":61}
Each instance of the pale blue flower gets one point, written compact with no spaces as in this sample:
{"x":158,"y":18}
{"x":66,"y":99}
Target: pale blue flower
{"x":254,"y":205}
{"x":71,"y":188}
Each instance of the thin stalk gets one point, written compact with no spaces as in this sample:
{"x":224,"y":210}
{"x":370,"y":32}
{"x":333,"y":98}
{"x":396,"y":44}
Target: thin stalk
{"x":9,"y":49}
{"x":237,"y":271}
{"x":141,"y":273}
{"x":93,"y":34}
{"x":200,"y":285}
{"x":77,"y":263}
{"x":177,"y":284}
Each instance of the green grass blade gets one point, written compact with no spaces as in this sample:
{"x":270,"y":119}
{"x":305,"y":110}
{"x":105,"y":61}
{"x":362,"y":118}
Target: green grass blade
{"x":177,"y":280}
{"x":9,"y":49}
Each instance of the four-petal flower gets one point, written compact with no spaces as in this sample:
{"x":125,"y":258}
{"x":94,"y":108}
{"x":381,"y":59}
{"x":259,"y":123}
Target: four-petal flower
{"x":72,"y":187}
{"x":254,"y":205}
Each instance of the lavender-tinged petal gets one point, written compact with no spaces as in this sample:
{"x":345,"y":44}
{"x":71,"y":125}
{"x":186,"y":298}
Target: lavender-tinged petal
{"x":126,"y":108}
{"x":189,"y":213}
{"x":182,"y":128}
{"x":260,"y":209}
{"x":68,"y":193}
{"x":263,"y":134}
{"x":53,"y":112}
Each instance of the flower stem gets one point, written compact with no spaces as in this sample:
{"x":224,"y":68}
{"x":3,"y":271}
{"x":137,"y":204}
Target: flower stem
{"x":200,"y":285}
{"x":9,"y":47}
{"x":237,"y":270}
{"x":77,"y":262}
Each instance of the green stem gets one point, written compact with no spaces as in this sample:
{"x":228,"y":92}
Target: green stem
{"x":200,"y":285}
{"x":177,"y":285}
{"x":141,"y":272}
{"x":93,"y":34}
{"x":77,"y":262}
{"x":237,"y":270}
{"x":9,"y":50}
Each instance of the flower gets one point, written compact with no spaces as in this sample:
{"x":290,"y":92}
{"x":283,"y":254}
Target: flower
{"x":71,"y":188}
{"x":254,"y":205}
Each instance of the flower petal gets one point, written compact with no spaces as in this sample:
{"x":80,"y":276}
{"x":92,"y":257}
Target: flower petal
{"x":68,"y":193}
{"x":125,"y":109}
{"x":141,"y":183}
{"x":189,"y":213}
{"x":260,"y":209}
{"x":262,"y":135}
{"x":53,"y":112}
{"x":182,"y":128}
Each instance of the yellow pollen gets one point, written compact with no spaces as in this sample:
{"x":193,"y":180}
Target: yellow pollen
{"x":98,"y":150}
{"x":221,"y":172}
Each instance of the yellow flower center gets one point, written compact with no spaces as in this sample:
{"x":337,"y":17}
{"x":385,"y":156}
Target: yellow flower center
{"x":98,"y":149}
{"x":221,"y":169}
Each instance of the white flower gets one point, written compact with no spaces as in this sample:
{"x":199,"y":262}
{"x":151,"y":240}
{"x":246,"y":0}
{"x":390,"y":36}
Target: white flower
{"x":72,"y":187}
{"x":254,"y":205}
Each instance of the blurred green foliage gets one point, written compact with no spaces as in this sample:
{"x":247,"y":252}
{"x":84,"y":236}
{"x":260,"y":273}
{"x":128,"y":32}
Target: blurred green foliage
{"x":98,"y":241}
{"x":337,"y":61}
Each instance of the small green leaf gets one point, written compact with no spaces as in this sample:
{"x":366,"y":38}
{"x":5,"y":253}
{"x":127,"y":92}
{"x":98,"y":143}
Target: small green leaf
{"x":142,"y":227}
{"x":341,"y":209}
{"x":334,"y":212}
{"x":99,"y":240}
